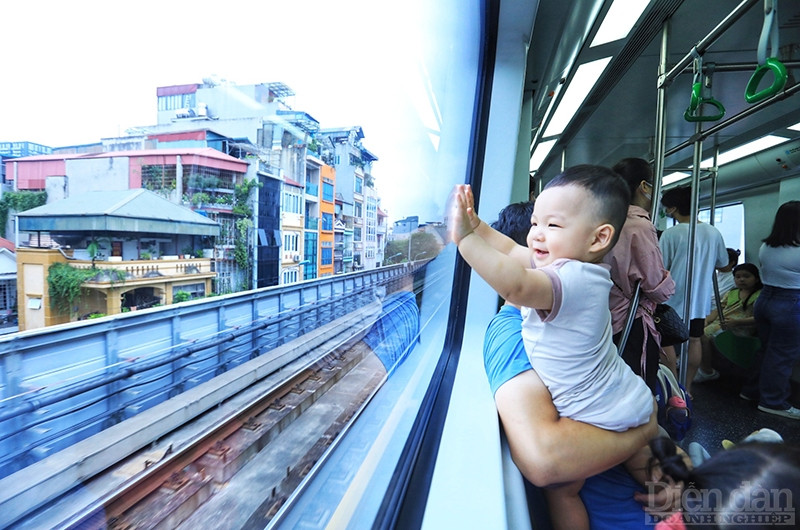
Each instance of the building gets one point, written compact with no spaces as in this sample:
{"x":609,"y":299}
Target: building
{"x":203,"y":179}
{"x":280,"y":144}
{"x":241,"y":156}
{"x":353,"y":164}
{"x":381,"y":237}
{"x":9,"y":150}
{"x":288,"y":152}
{"x":124,"y":252}
{"x":8,"y":280}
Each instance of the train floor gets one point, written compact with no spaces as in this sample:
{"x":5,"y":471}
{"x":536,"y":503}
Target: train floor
{"x":719,"y":413}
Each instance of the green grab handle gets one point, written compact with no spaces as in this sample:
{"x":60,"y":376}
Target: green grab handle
{"x":689,"y":115}
{"x":697,"y":97}
{"x":771,"y":64}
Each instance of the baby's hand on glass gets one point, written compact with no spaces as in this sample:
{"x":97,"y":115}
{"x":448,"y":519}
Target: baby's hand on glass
{"x":462,"y":220}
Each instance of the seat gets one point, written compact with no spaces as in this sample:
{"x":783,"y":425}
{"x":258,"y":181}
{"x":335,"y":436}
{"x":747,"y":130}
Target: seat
{"x":739,"y":350}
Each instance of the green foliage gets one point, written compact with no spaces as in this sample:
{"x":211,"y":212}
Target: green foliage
{"x":241,"y":196}
{"x":422,"y":246}
{"x":181,"y":296}
{"x":64,"y":285}
{"x":19,"y":201}
{"x":241,"y":251}
{"x":93,"y":249}
{"x":201,"y":198}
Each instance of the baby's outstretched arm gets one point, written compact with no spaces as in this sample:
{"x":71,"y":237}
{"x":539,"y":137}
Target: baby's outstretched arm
{"x":498,"y":259}
{"x":463,"y":220}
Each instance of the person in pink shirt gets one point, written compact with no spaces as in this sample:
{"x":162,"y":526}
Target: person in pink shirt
{"x":637,"y":257}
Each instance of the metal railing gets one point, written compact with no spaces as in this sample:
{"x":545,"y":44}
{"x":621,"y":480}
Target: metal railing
{"x":62,"y":384}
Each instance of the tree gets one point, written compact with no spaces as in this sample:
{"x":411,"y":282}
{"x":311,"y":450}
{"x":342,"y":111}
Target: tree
{"x":421,"y":245}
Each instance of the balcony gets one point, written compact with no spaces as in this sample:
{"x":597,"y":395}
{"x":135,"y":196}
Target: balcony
{"x":312,"y":189}
{"x":312,"y":223}
{"x":167,"y":267}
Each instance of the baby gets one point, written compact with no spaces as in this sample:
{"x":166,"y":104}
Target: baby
{"x":562,"y":290}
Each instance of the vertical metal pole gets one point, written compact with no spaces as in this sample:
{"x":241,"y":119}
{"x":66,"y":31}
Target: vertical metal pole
{"x":661,"y":125}
{"x":688,"y":288}
{"x":714,"y":176}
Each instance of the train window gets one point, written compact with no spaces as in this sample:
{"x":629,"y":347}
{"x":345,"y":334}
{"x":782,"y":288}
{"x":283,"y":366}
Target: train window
{"x":382,"y":95}
{"x":729,"y":220}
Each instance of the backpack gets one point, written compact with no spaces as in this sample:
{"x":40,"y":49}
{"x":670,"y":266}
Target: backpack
{"x":674,"y":404}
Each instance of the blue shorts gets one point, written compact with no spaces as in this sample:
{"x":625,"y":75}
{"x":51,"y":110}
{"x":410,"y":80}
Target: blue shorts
{"x":503,"y":351}
{"x":608,"y":497}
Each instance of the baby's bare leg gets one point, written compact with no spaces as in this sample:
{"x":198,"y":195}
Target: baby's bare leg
{"x":567,"y":511}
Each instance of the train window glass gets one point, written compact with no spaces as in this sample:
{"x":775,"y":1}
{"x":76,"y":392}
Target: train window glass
{"x":383,"y":93}
{"x":428,"y":98}
{"x":729,"y":220}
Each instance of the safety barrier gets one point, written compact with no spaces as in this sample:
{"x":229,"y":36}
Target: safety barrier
{"x":62,"y":384}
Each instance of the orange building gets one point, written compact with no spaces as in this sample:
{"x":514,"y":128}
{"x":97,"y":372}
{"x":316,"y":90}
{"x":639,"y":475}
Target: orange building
{"x":327,"y":208}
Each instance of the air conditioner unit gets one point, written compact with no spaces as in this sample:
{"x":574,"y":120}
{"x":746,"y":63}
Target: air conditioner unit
{"x":296,"y":258}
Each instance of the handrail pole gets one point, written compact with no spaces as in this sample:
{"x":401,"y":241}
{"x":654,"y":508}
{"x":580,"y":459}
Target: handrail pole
{"x":714,"y":176}
{"x":687,"y":305}
{"x":661,"y":126}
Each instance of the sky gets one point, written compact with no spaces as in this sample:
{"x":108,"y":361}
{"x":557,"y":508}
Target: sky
{"x":79,"y":71}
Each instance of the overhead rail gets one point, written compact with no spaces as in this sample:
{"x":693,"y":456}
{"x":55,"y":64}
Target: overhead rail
{"x":706,"y":41}
{"x":693,"y":57}
{"x":749,"y":111}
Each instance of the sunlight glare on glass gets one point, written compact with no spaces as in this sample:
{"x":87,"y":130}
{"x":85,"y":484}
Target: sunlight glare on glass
{"x":619,"y":20}
{"x":579,"y":87}
{"x":424,"y":100}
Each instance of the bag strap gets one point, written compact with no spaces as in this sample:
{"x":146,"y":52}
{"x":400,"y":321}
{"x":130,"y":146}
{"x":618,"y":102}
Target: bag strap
{"x":666,"y":375}
{"x":630,"y":318}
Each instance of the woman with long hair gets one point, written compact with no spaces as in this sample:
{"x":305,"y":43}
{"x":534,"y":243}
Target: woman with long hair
{"x":777,"y":314}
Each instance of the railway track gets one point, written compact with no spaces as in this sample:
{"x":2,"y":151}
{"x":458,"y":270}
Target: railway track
{"x":169,"y":491}
{"x":275,"y":414}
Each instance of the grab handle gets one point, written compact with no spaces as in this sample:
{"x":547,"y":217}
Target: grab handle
{"x":770,"y":65}
{"x":697,"y":101}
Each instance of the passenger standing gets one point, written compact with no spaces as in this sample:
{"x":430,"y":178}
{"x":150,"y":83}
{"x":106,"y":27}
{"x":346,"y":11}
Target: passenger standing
{"x":636,"y":257}
{"x":709,"y":253}
{"x":777,"y":314}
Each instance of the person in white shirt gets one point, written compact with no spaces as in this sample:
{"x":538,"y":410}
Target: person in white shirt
{"x":709,"y":253}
